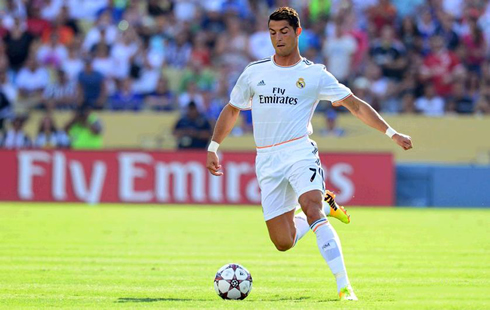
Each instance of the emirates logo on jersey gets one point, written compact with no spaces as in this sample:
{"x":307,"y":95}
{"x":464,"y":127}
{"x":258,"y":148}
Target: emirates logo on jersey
{"x":300,"y":83}
{"x":278,"y":97}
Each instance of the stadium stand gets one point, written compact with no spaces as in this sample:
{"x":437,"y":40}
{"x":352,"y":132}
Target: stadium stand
{"x":404,"y":57}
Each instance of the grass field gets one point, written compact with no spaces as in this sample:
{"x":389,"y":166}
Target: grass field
{"x":132,"y":256}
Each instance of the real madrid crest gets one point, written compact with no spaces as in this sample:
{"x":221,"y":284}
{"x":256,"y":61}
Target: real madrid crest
{"x":300,"y":83}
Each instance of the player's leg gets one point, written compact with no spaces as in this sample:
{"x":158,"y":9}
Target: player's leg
{"x":327,"y":240}
{"x":282,"y":230}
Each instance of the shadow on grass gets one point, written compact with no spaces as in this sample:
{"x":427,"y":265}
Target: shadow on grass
{"x":271,"y":299}
{"x":125,"y":300}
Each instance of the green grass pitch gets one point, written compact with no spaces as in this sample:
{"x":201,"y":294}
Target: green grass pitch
{"x":134,"y":256}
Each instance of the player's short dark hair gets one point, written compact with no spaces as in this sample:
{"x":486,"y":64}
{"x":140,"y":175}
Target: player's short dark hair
{"x":286,"y":13}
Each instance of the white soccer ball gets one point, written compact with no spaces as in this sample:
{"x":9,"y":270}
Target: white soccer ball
{"x":233,"y":281}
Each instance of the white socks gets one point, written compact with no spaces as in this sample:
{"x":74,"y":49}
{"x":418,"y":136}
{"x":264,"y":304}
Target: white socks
{"x":329,"y":246}
{"x":302,"y":226}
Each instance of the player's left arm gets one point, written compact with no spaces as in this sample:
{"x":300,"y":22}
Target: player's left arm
{"x":363,"y":111}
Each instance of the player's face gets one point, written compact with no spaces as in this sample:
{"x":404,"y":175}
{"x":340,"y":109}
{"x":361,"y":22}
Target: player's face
{"x":283,"y":37}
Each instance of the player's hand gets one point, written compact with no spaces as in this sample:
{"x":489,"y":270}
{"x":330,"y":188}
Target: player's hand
{"x":403,"y":140}
{"x":213,"y":164}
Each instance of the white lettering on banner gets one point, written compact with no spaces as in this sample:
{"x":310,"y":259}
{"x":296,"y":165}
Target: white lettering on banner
{"x":215,"y":188}
{"x":180,"y":173}
{"x":59,"y":176}
{"x":234,"y":171}
{"x":128,"y":172}
{"x":90,"y":193}
{"x":339,"y":178}
{"x":28,"y":170}
{"x":253,"y":191}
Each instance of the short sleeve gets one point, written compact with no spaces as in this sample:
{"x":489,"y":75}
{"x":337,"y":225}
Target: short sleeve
{"x":241,"y":94}
{"x":330,"y":89}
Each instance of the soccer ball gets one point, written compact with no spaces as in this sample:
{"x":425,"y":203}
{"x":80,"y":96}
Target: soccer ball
{"x":233,"y":281}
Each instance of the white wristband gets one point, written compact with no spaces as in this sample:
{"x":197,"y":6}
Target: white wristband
{"x":213,"y":147}
{"x":390,"y":132}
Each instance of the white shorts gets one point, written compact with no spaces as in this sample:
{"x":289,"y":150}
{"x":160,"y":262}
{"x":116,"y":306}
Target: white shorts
{"x":285,"y":172}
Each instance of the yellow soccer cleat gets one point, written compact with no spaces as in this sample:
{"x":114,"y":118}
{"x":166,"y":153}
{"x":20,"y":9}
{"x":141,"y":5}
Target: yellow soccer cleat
{"x":347,"y":293}
{"x":334,"y":209}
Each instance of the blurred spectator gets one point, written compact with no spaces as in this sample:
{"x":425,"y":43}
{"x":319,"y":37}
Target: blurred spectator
{"x":49,"y":137}
{"x":430,"y":104}
{"x":65,"y":20}
{"x":36,"y":25}
{"x":147,"y":76}
{"x":475,"y":46}
{"x":410,"y":35}
{"x":408,"y":104}
{"x":51,"y":9}
{"x":16,"y":138}
{"x":123,"y":50}
{"x":5,"y":110}
{"x":61,"y":93}
{"x":259,"y":45}
{"x":125,"y":98}
{"x":85,"y":129}
{"x":193,"y":130}
{"x":460,"y":101}
{"x":362,"y":88}
{"x":338,"y":51}
{"x":191,"y":95}
{"x":232,"y":44}
{"x":162,"y":99}
{"x":102,"y":63}
{"x":440,"y":66}
{"x":482,"y":106}
{"x":103,"y":31}
{"x":91,"y":87}
{"x":73,"y":64}
{"x":427,"y":26}
{"x":378,"y":85}
{"x":389,"y":54}
{"x":31,"y":81}
{"x":179,"y":51}
{"x":195,"y":73}
{"x":18,"y":43}
{"x":157,"y":8}
{"x":382,"y":14}
{"x":446,"y":30}
{"x":7,"y":88}
{"x":52,"y":53}
{"x":200,"y":51}
{"x":331,"y":126}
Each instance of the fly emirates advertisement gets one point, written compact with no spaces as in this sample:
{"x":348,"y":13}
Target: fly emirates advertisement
{"x":176,"y":177}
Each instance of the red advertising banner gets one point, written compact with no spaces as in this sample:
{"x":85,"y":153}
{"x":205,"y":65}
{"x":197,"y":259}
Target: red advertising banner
{"x":175,"y":177}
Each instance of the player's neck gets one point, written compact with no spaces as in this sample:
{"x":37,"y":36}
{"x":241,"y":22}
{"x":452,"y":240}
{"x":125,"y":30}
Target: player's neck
{"x":289,"y":60}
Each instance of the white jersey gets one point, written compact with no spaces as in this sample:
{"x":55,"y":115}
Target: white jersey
{"x":283,"y":99}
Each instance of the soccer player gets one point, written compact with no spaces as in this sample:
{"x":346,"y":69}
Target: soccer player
{"x":283,"y":92}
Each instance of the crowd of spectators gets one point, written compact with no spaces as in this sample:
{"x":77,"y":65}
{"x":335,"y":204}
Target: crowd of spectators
{"x":429,"y":57}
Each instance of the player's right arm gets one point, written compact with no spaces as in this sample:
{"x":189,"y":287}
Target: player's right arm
{"x":240,"y":99}
{"x":224,"y":125}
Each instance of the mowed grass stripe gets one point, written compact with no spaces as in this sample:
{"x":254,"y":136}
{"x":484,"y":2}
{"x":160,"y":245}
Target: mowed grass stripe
{"x":77,"y":256}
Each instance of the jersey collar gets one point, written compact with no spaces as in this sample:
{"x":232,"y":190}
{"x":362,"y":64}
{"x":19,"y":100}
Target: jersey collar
{"x":286,"y":67}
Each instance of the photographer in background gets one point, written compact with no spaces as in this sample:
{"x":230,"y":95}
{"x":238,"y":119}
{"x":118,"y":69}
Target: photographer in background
{"x":16,"y":138}
{"x":85,"y":129}
{"x":193,"y":130}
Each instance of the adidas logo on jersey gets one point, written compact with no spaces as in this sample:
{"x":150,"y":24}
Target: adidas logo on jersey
{"x":261,"y":83}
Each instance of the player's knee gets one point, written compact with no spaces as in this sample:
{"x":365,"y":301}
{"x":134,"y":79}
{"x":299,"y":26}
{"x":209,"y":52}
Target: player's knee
{"x":283,"y":247}
{"x":311,"y":206}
